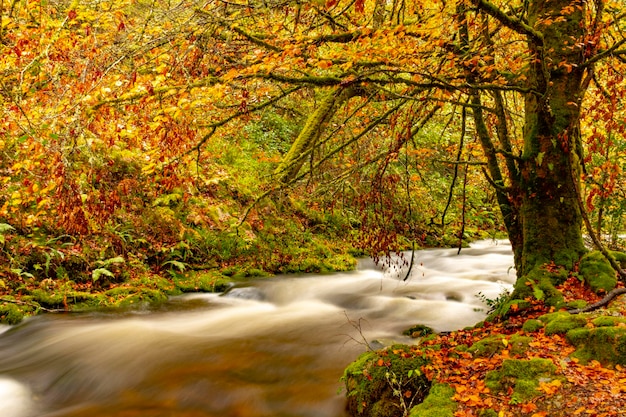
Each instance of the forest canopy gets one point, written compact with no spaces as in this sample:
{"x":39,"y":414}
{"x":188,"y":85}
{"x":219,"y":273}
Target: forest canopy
{"x":170,"y":134}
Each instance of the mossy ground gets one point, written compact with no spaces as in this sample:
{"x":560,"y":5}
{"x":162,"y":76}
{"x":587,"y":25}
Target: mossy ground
{"x":533,"y":361}
{"x":438,"y":403}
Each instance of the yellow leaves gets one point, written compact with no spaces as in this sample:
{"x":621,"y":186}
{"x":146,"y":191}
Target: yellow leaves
{"x":162,"y":68}
{"x":230,"y":75}
{"x":15,"y":199}
{"x":550,"y":387}
{"x":7,"y":24}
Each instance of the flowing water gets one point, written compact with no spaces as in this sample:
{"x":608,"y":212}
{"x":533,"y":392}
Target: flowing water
{"x":276,"y":347}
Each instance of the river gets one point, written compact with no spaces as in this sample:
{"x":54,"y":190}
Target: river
{"x":276,"y":347}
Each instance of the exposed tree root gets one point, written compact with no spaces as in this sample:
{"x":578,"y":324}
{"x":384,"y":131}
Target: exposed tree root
{"x":611,"y":295}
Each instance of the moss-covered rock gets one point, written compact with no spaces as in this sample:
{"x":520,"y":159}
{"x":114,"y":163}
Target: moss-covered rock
{"x":532,"y":325}
{"x":438,"y":403}
{"x":597,"y":272}
{"x":205,"y":281}
{"x":11,"y":313}
{"x":604,"y":321}
{"x":419,"y":330}
{"x":384,"y":383}
{"x":522,"y":376}
{"x":620,"y":258}
{"x":127,"y":296}
{"x":563,"y":323}
{"x":606,"y":344}
{"x":488,"y":346}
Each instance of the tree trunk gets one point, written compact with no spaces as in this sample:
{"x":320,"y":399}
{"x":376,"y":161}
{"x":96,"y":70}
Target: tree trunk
{"x":550,"y":169}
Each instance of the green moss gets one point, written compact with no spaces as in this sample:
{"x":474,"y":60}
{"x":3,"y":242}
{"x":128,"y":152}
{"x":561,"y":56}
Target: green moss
{"x":205,"y":281}
{"x":127,"y":296}
{"x":604,"y":321}
{"x":547,"y":318}
{"x":488,"y":346}
{"x":438,"y":403}
{"x":597,"y":272}
{"x":519,"y":344}
{"x":532,"y":325}
{"x":571,"y":305}
{"x":376,"y":381}
{"x":620,"y":257}
{"x":607,"y":344}
{"x":522,"y":376}
{"x":487,"y":413}
{"x":11,"y":313}
{"x":561,"y":324}
{"x":540,"y":284}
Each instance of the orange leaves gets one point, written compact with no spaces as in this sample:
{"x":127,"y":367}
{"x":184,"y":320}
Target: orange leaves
{"x":324,"y":64}
{"x":473,"y":396}
{"x":550,"y":387}
{"x":528,"y":408}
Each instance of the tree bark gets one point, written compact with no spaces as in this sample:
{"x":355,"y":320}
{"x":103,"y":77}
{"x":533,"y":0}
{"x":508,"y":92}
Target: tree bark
{"x":550,"y":168}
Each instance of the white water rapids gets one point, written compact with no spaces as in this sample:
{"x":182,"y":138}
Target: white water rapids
{"x":276,"y":347}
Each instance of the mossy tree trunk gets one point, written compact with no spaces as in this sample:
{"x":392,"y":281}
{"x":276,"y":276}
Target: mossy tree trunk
{"x":290,"y":165}
{"x":551,"y":164}
{"x":537,"y":191}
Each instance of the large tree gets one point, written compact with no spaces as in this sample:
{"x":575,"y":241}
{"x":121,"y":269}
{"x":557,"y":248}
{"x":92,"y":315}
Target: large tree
{"x":522,"y":68}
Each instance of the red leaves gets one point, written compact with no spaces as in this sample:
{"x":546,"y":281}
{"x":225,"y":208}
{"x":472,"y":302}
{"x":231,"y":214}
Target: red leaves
{"x":359,"y":6}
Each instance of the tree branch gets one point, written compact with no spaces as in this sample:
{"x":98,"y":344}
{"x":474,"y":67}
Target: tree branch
{"x":612,"y":51}
{"x":251,"y":109}
{"x":511,"y":22}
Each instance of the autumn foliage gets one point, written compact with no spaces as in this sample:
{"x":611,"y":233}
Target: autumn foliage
{"x":142,"y":138}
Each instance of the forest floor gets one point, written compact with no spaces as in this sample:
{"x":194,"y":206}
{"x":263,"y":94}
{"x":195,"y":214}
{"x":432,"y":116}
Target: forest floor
{"x":586,"y":380}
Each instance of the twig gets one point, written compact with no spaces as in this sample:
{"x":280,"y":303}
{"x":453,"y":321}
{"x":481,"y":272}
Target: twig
{"x":357,"y":326}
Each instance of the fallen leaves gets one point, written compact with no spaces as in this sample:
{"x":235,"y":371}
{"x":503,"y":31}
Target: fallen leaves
{"x":579,"y":389}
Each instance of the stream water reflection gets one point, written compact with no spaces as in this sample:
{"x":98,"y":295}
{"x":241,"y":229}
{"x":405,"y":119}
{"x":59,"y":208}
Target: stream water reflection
{"x":276,"y":347}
